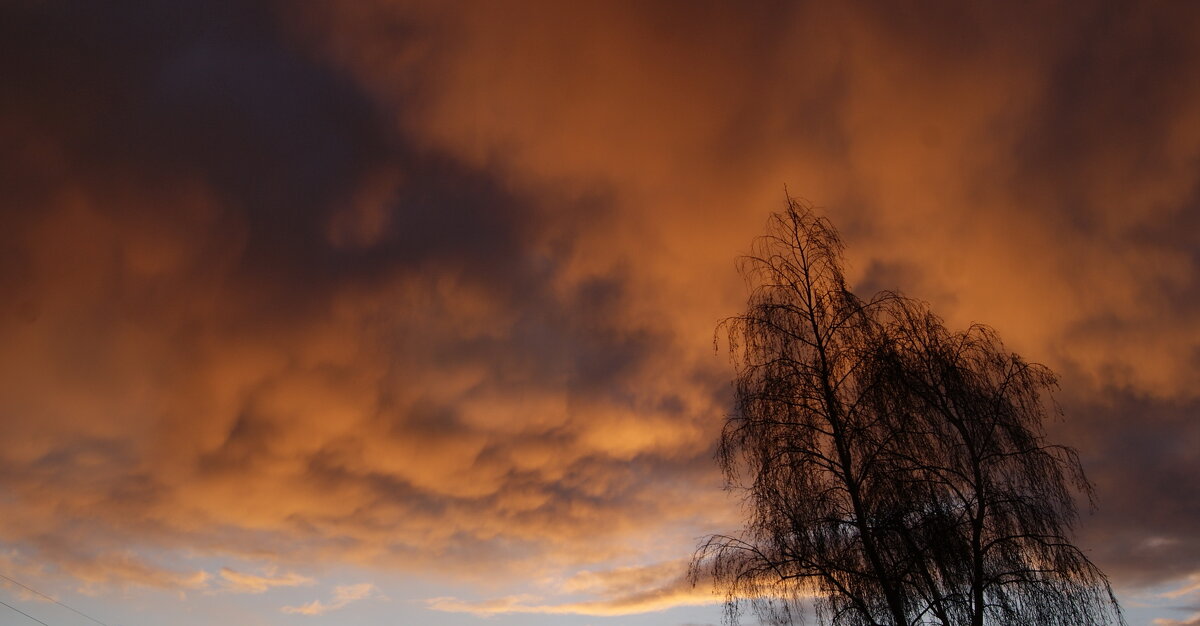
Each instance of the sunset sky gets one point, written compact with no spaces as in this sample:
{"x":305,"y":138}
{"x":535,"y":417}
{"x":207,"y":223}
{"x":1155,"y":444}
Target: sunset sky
{"x":391,"y":312}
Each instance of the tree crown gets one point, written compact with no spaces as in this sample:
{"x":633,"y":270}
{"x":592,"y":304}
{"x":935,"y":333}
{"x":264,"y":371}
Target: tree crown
{"x":894,"y":472}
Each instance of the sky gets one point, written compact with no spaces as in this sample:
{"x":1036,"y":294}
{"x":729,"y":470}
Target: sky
{"x":402,"y":312}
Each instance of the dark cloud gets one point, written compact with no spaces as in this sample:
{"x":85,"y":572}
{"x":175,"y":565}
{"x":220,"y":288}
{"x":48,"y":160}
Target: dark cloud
{"x":1139,"y":452}
{"x":460,"y":265}
{"x":232,"y":266}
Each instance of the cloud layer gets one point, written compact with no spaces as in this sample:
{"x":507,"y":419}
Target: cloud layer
{"x":433,"y":287}
{"x":612,"y":592}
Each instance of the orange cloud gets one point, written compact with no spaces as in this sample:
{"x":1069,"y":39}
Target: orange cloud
{"x":342,"y":595}
{"x":1190,"y":621}
{"x":240,"y":582}
{"x":432,"y":287}
{"x":621,"y":591}
{"x":884,"y":121}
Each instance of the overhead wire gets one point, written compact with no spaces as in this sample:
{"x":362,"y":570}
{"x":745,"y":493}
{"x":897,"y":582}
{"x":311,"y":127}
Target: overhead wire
{"x":24,"y":613}
{"x":35,"y":591}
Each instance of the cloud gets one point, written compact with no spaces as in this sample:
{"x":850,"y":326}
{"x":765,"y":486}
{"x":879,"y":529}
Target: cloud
{"x":621,"y":591}
{"x":1191,"y":621}
{"x":363,"y":351}
{"x":1138,"y":453}
{"x":342,"y":596}
{"x":1190,"y":587}
{"x":433,"y":287}
{"x":1039,"y":179}
{"x":99,"y":574}
{"x":239,"y":582}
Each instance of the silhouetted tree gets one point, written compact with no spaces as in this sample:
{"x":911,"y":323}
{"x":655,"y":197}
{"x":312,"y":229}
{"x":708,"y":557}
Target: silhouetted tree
{"x":895,"y":473}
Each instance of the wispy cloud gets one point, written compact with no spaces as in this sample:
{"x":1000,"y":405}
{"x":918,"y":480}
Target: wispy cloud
{"x":342,"y":595}
{"x":1191,"y":586}
{"x":238,"y":582}
{"x":621,"y":591}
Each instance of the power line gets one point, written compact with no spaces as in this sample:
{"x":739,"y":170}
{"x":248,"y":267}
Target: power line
{"x":32,"y":590}
{"x":24,"y":613}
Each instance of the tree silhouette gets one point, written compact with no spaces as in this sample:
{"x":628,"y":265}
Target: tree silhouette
{"x":894,"y":472}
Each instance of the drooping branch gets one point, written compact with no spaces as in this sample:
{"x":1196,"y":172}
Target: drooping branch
{"x":895,"y":472}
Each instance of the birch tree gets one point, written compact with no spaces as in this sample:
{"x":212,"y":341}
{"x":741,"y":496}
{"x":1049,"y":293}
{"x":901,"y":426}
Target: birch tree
{"x":894,"y":472}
